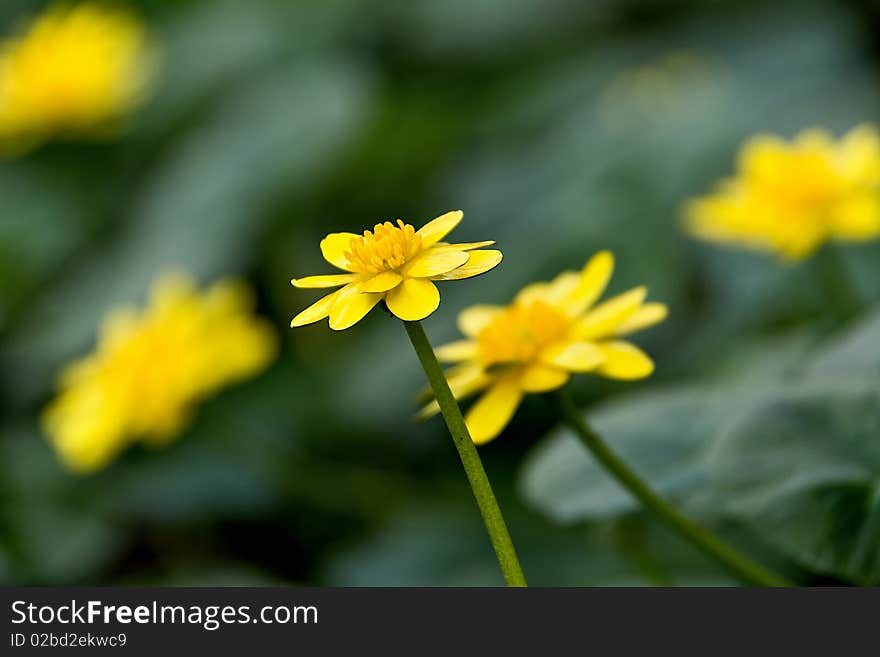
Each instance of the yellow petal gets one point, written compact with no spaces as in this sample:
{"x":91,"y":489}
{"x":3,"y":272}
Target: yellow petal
{"x":456,"y":351}
{"x":456,"y":373}
{"x":857,"y":218}
{"x":859,"y":153}
{"x":464,"y":381}
{"x":552,"y":292}
{"x":491,"y":413}
{"x":171,"y":288}
{"x":479,"y":262}
{"x":414,"y":299}
{"x":467,"y":246}
{"x":436,"y":229}
{"x":429,"y":410}
{"x":801,"y":245}
{"x":646,"y":315}
{"x":463,"y":377}
{"x":591,"y":284}
{"x":758,"y":152}
{"x":574,"y":356}
{"x":472,"y":320}
{"x":532,"y":292}
{"x":317,"y":311}
{"x":351,"y":307}
{"x":329,"y":280}
{"x":624,"y":361}
{"x":562,"y":286}
{"x":541,"y":378}
{"x":607,"y":316}
{"x":815,"y":138}
{"x":333,"y":248}
{"x":434,"y":262}
{"x":381,"y":282}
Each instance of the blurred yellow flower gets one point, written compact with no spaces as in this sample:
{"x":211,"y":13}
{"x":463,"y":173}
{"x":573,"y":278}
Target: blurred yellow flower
{"x":533,"y":345}
{"x":394,"y":263}
{"x":152,"y":365}
{"x":790,"y":197}
{"x":73,"y":70}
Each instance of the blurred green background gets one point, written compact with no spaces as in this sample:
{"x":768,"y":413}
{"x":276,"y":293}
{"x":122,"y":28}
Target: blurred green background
{"x":560,"y":128}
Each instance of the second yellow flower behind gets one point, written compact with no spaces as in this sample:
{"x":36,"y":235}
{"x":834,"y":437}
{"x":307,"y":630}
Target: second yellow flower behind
{"x":550,"y":331}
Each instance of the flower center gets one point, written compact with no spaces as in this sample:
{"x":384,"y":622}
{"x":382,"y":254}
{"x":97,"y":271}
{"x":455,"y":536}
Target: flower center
{"x":388,"y":247}
{"x":520,"y":332}
{"x":799,"y":182}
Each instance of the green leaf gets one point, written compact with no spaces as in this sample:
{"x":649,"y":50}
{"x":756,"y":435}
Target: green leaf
{"x":803,"y":469}
{"x":854,"y":351}
{"x":790,"y":451}
{"x":664,"y":436}
{"x":797,"y":464}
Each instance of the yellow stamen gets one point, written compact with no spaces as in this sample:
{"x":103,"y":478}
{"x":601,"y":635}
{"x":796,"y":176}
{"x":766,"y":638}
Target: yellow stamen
{"x":519,"y":333}
{"x":386,"y":248}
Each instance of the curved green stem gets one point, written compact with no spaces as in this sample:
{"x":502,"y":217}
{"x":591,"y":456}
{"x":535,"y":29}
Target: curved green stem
{"x":473,"y":466}
{"x":738,"y":564}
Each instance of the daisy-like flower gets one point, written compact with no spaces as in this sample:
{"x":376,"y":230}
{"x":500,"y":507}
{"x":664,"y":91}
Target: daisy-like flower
{"x":152,"y":366}
{"x":394,"y":263}
{"x":550,"y":331}
{"x":75,"y":69}
{"x":788,"y":198}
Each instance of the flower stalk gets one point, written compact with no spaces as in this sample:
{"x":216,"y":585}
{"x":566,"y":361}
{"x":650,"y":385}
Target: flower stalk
{"x":739,"y":565}
{"x":470,"y":459}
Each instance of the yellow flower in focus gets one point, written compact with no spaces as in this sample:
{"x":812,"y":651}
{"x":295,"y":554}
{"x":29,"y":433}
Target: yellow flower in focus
{"x":550,"y":331}
{"x":790,"y":197}
{"x":73,"y":70}
{"x":394,"y":263}
{"x":152,"y":365}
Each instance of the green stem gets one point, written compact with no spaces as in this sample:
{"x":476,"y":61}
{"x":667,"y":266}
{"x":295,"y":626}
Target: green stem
{"x":741,"y":566}
{"x":836,"y":284}
{"x":473,"y":466}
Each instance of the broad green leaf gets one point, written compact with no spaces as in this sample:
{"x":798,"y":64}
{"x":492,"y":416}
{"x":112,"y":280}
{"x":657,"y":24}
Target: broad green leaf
{"x":664,"y":436}
{"x":803,"y":470}
{"x":796,"y":462}
{"x":854,"y":351}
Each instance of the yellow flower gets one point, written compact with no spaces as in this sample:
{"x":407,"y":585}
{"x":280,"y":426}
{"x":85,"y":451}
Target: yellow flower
{"x":394,"y":263}
{"x":790,"y":198}
{"x":152,"y":365}
{"x":74,"y":70}
{"x":550,"y":331}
